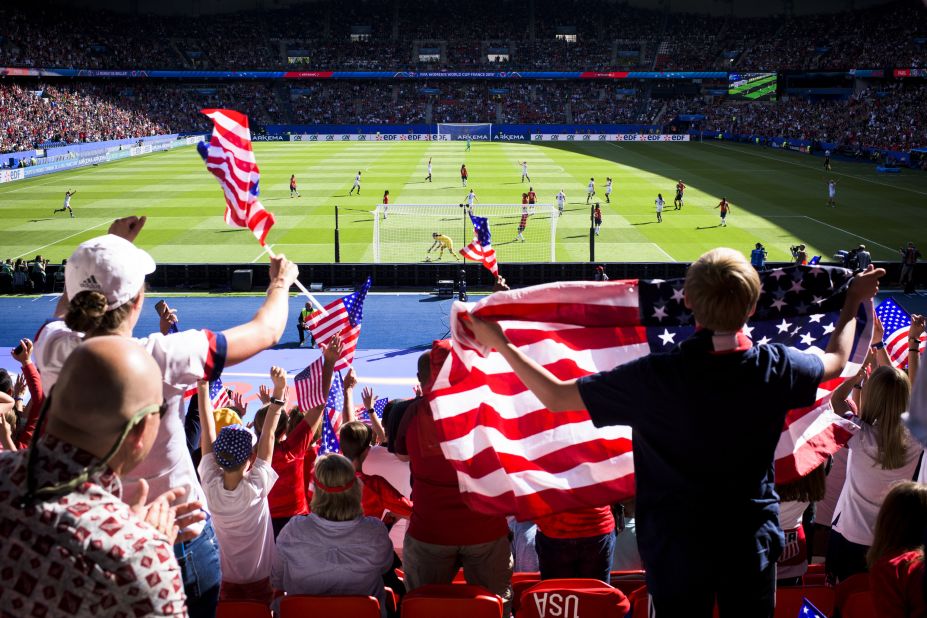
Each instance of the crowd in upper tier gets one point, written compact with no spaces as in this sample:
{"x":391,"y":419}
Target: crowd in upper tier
{"x":429,"y":35}
{"x":889,"y":116}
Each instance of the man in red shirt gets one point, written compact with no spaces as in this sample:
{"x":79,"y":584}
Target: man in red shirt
{"x":444,"y":533}
{"x":577,"y":543}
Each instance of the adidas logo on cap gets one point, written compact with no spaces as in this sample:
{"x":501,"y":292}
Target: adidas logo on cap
{"x":90,"y":283}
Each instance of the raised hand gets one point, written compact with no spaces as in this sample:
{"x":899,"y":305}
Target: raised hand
{"x":128,"y":227}
{"x":368,"y":397}
{"x":331,"y":351}
{"x":281,"y":269}
{"x":25,"y":355}
{"x":264,"y":394}
{"x":350,"y":380}
{"x":20,"y":388}
{"x":238,"y":401}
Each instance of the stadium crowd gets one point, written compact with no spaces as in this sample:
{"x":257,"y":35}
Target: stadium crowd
{"x":543,"y":35}
{"x":120,"y":477}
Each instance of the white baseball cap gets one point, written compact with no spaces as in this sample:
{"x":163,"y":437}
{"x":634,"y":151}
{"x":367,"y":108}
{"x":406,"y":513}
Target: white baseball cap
{"x":110,"y":265}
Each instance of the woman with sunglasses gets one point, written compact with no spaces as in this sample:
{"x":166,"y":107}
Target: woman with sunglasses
{"x":104,"y":295}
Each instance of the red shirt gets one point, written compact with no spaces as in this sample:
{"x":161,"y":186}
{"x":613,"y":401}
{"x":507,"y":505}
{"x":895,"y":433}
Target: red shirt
{"x":288,"y":496}
{"x":532,"y":197}
{"x":524,"y":198}
{"x":723,"y":206}
{"x":463,"y":171}
{"x":380,"y":496}
{"x":293,"y":183}
{"x":897,"y":585}
{"x":439,"y":514}
{"x":577,"y":524}
{"x":386,"y":199}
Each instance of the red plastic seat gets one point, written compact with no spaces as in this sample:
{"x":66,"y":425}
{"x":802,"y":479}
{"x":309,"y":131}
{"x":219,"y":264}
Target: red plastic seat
{"x":627,"y":581}
{"x":578,"y":598}
{"x":242,"y":609}
{"x":858,"y":605}
{"x":451,"y":601}
{"x":520,"y":583}
{"x":848,"y":590}
{"x":299,"y":606}
{"x":789,"y":600}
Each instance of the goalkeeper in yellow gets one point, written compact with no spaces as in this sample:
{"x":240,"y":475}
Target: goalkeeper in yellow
{"x":441,"y":242}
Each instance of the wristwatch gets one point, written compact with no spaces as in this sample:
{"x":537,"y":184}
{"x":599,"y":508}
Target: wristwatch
{"x":880,"y":345}
{"x":277,"y":402}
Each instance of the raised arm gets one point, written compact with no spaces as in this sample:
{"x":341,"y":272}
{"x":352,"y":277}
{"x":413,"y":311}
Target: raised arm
{"x":864,"y":286}
{"x":369,"y":401}
{"x":914,"y":342}
{"x":207,"y":420}
{"x":557,"y":395}
{"x":877,"y":349}
{"x":266,"y":327}
{"x":349,"y":382}
{"x":265,"y":447}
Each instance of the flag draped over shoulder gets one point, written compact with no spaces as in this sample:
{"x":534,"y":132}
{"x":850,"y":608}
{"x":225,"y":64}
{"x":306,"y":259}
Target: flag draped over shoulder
{"x":480,"y":248}
{"x":343,"y":317}
{"x":896,"y":324}
{"x":231,"y":160}
{"x":513,"y":456}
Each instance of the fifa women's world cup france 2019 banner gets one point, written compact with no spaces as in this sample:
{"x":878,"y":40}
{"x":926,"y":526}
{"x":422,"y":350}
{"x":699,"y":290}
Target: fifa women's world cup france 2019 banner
{"x":608,"y":137}
{"x":369,"y":137}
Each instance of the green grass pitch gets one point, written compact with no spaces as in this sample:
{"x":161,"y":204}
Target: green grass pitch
{"x":778,"y":198}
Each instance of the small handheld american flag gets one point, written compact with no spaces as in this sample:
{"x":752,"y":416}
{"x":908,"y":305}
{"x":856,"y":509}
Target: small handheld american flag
{"x":218,"y":395}
{"x":308,"y":382}
{"x":896,"y":324}
{"x":480,"y":248}
{"x":343,"y":317}
{"x":378,"y":406}
{"x":331,"y":416}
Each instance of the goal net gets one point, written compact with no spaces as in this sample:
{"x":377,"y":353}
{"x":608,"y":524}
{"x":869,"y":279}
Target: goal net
{"x":404,"y":232}
{"x":461,"y":131}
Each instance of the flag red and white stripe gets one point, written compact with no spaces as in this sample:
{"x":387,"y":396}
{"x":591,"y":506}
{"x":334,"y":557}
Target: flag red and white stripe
{"x":309,"y":389}
{"x":513,"y":456}
{"x":324,"y":327}
{"x":231,"y":160}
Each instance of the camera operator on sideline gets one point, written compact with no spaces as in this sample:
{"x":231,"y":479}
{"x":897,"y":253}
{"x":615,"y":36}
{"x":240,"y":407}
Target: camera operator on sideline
{"x":799,"y":255}
{"x":863,"y":258}
{"x":758,"y":257}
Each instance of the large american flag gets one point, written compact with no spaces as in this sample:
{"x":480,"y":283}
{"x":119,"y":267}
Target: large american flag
{"x":896,"y":324}
{"x":331,"y":416}
{"x":480,"y":248}
{"x":343,"y":316}
{"x":231,"y":160}
{"x":513,"y":456}
{"x":309,"y":393}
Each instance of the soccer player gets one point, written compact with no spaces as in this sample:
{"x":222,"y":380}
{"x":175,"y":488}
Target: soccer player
{"x":680,"y":189}
{"x":441,"y":242}
{"x":561,"y":200}
{"x":523,"y":223}
{"x":471,"y":199}
{"x":524,"y":198}
{"x":597,"y":218}
{"x":532,"y":196}
{"x":67,"y":204}
{"x":463,"y":175}
{"x":832,"y":193}
{"x":827,"y":160}
{"x":590,"y":190}
{"x":428,"y":178}
{"x":356,"y":184}
{"x":608,"y":190}
{"x":659,"y":203}
{"x":293,"y":190}
{"x":524,"y":171}
{"x":385,"y":203}
{"x":468,"y":144}
{"x":725,"y":208}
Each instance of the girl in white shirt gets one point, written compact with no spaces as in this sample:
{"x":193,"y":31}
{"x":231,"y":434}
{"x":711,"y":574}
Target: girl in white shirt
{"x":881,"y":453}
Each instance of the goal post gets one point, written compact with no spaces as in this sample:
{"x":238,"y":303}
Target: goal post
{"x":403,"y":233}
{"x":479,"y":131}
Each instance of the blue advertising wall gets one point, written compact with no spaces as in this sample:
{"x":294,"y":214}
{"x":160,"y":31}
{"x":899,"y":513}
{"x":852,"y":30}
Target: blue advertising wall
{"x":499,"y":131}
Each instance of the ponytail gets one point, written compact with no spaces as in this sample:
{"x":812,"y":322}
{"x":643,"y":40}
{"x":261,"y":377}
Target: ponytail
{"x":87,"y":313}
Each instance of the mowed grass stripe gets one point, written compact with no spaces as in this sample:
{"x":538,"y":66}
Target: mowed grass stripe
{"x":778,"y":198}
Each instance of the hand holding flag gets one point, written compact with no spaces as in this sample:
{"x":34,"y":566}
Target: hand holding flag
{"x":480,"y":248}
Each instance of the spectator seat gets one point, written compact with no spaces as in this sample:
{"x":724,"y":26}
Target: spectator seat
{"x":451,"y":601}
{"x":579,"y":598}
{"x":852,"y":597}
{"x":242,"y":609}
{"x":300,"y":606}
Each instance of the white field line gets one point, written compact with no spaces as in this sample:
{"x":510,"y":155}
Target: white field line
{"x":840,"y":229}
{"x":32,"y":251}
{"x":869,"y":180}
{"x":663,"y":251}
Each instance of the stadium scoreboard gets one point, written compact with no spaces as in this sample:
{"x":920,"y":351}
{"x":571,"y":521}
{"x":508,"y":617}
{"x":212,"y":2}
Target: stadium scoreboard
{"x":752,"y":86}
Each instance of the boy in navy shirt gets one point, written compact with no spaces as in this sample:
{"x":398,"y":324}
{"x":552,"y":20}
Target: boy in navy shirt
{"x":706,"y":418}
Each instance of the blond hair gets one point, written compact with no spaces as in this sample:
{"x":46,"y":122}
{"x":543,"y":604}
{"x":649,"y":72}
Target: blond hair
{"x":885,"y":397}
{"x":721,"y":289}
{"x":336,"y":472}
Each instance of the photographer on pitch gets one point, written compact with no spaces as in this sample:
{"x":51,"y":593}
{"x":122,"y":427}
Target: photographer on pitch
{"x":758,"y":257}
{"x":799,"y":255}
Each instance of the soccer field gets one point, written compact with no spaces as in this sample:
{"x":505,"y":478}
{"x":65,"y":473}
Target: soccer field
{"x":777,"y":198}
